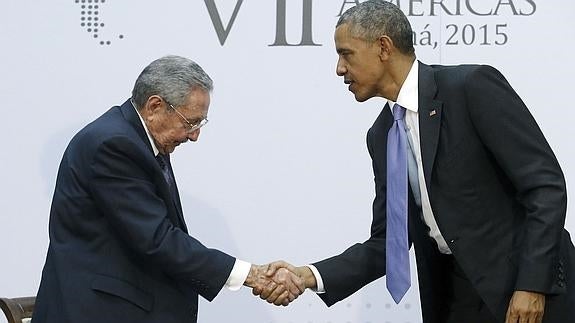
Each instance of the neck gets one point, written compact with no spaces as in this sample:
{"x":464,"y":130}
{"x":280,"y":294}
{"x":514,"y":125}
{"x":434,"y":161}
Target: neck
{"x":398,"y":70}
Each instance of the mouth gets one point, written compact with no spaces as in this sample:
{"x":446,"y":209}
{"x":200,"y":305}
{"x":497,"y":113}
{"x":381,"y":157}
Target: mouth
{"x":350,"y":83}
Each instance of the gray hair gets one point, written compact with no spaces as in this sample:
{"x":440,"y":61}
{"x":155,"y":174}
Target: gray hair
{"x":372,"y":19}
{"x":172,"y":78}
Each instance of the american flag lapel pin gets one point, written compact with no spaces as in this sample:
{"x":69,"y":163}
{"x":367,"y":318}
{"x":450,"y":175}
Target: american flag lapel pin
{"x":432,"y":113}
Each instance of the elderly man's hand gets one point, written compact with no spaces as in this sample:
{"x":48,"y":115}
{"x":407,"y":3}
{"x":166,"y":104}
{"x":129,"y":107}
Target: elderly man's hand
{"x":275,"y":285}
{"x":526,"y":307}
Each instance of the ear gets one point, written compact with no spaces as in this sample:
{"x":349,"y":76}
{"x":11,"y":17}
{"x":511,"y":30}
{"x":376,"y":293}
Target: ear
{"x":154,"y":102}
{"x":152,"y":107}
{"x":385,"y":47}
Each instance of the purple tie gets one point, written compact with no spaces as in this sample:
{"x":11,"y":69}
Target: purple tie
{"x":398,"y":276}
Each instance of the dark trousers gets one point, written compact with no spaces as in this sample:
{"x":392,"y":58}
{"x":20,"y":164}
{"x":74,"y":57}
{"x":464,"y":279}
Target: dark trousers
{"x":463,"y":304}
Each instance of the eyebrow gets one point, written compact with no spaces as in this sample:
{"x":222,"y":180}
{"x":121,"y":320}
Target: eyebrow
{"x":197,"y":120}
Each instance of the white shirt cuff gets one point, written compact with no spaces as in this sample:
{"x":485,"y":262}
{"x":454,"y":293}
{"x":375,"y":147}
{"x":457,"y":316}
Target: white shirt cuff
{"x":319,"y":282}
{"x":238,"y":275}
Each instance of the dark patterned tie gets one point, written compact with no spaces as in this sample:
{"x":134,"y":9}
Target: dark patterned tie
{"x":164,"y":162}
{"x":398,"y":276}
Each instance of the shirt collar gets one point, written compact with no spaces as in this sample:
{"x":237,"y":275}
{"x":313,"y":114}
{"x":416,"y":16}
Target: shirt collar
{"x":409,"y":93}
{"x":154,"y":148}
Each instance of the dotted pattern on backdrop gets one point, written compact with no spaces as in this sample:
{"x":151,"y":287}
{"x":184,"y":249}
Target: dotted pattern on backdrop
{"x":90,"y":19}
{"x":365,"y":307}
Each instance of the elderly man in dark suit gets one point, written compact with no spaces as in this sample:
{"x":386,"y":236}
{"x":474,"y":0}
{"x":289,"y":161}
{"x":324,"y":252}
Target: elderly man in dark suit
{"x":464,"y":173}
{"x":119,"y":247}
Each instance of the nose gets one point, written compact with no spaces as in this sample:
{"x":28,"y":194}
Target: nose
{"x":340,"y":69}
{"x":194,"y":135}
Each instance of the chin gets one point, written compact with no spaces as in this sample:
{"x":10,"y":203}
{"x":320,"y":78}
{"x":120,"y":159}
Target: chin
{"x":360,"y":98}
{"x":167,"y":150}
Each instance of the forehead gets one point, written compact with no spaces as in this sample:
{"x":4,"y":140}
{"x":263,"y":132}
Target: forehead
{"x":344,"y":39}
{"x":341,"y":34}
{"x":198,"y":102}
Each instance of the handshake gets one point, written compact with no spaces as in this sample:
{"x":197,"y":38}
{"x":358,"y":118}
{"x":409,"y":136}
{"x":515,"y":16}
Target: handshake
{"x":279,"y":283}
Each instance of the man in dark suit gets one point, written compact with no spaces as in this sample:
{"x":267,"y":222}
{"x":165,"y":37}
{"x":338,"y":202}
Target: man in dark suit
{"x":487,"y":198}
{"x":119,"y":247}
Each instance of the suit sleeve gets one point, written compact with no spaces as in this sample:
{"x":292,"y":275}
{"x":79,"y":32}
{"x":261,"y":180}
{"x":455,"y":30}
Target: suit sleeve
{"x":123,"y":188}
{"x":361,"y":263}
{"x":511,"y":134}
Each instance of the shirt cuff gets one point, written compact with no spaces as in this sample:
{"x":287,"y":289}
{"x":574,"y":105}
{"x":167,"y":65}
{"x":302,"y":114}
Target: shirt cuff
{"x":319,"y":282}
{"x":238,"y":275}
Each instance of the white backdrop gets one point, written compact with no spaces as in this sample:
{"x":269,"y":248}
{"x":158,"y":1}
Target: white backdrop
{"x":282,"y":170}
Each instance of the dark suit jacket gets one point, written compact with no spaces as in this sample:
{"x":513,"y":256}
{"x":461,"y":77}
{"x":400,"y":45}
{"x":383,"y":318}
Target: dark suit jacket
{"x":119,"y":248}
{"x":496,"y":190}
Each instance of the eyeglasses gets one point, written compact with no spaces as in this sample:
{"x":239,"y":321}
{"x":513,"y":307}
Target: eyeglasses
{"x":191,"y":127}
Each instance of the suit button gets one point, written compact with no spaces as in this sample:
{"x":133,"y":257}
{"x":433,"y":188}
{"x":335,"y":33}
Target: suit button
{"x":561,"y":283}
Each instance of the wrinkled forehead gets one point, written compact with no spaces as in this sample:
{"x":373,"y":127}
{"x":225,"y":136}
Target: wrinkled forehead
{"x":198,"y":97}
{"x":197,"y":103}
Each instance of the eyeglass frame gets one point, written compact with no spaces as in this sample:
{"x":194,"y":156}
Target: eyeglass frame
{"x":191,"y":127}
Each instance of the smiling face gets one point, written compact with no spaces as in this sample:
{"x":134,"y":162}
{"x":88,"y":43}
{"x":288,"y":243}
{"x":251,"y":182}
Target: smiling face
{"x":359,"y":63}
{"x":168,"y":129}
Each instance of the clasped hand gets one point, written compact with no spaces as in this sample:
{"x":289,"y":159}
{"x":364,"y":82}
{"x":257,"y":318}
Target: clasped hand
{"x":275,"y":282}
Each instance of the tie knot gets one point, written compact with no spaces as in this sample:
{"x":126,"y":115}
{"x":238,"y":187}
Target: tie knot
{"x":398,"y":112}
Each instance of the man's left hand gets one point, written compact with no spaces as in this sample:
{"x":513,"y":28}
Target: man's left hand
{"x":525,"y":307}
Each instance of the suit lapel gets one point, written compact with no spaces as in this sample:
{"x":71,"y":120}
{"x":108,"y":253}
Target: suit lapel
{"x":133,"y":118}
{"x":429,"y":111}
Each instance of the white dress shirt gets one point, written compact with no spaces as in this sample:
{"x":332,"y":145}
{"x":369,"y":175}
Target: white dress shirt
{"x":409,"y":99}
{"x":241,"y":268}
